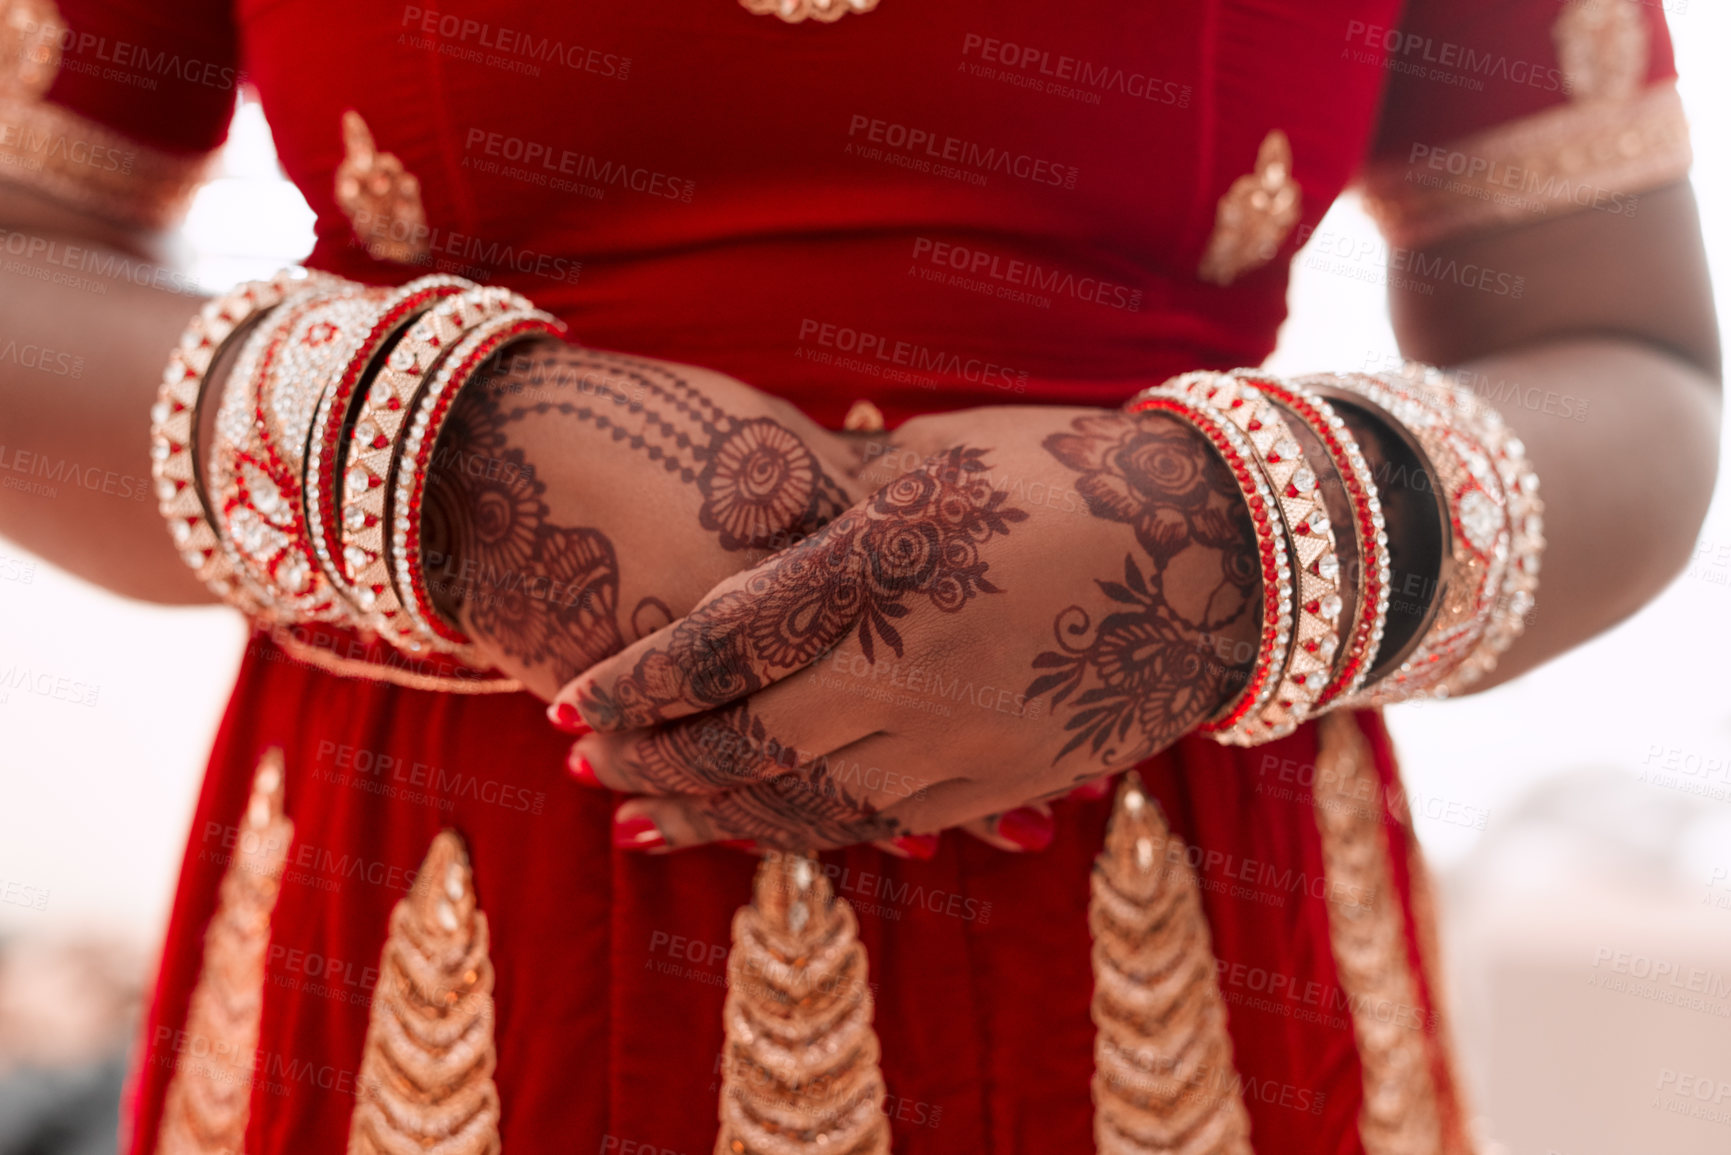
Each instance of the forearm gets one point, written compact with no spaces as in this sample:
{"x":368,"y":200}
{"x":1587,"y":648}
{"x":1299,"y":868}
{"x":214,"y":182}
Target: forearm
{"x":83,"y":355}
{"x":1624,"y":437}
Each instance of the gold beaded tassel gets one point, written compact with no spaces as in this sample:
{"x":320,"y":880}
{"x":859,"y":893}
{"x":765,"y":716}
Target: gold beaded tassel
{"x":426,"y":1076}
{"x":800,"y":1061}
{"x":210,"y":1095}
{"x":1164,"y":1078}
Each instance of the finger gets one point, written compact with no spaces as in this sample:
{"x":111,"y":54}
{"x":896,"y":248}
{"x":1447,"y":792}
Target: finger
{"x":749,"y":631}
{"x":787,"y":813}
{"x":842,"y":799}
{"x":779,"y":730}
{"x":1024,"y":828}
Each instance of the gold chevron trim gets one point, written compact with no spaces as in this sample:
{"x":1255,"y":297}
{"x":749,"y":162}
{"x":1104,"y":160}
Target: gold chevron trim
{"x":210,"y":1094}
{"x":1365,"y":922}
{"x":1164,"y":1078}
{"x":426,"y":1078}
{"x":800,"y":1064}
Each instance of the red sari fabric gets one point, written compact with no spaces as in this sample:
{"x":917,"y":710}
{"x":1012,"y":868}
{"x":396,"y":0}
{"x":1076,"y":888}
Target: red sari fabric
{"x":940,"y":203}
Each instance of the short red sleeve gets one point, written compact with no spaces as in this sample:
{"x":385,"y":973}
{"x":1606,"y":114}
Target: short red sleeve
{"x":1498,"y":112}
{"x":115,"y":105}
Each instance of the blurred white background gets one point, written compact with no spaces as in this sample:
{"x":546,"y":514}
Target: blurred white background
{"x":1579,"y":812}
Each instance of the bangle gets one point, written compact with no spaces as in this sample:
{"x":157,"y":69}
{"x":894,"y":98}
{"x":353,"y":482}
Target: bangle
{"x":1523,"y":511}
{"x":175,"y":463}
{"x":255,"y":494}
{"x":1370,"y":607}
{"x":326,"y":444}
{"x":374,"y":442}
{"x":1273,"y":550}
{"x":410,"y":475}
{"x":1476,"y":540}
{"x":1309,"y":533}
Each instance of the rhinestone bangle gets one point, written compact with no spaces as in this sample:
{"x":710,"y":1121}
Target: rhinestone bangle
{"x":410,"y":475}
{"x":174,"y":434}
{"x":253,"y":491}
{"x":325,"y":448}
{"x":1370,"y":607}
{"x":1272,"y":544}
{"x":1476,"y":545}
{"x":1523,"y":511}
{"x":374,"y":442}
{"x":1318,"y":610}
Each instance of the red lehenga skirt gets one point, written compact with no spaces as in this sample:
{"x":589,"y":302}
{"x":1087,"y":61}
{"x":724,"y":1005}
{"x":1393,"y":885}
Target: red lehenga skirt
{"x":610,"y":967}
{"x":932,"y":204}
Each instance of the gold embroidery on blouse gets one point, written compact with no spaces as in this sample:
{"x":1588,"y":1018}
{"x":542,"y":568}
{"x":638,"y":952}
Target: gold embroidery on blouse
{"x":89,"y":167}
{"x":1367,"y":929}
{"x":863,"y":417}
{"x":1164,"y":1077}
{"x":381,"y":199}
{"x":426,"y":1075}
{"x":1254,"y":216}
{"x":210,"y":1093}
{"x":793,"y":11}
{"x":1603,"y":48}
{"x":1584,"y":155}
{"x":31,"y":33}
{"x":800,"y":1067}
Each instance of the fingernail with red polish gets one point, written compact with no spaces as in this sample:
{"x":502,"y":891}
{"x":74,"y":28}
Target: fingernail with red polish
{"x":582,"y":771}
{"x":1026,"y":827}
{"x":565,"y":716}
{"x":636,"y":833}
{"x":921,"y":846}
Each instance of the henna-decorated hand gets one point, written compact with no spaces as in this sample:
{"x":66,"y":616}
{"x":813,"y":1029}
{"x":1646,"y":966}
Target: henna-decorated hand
{"x":579,"y":500}
{"x":1055,"y":594}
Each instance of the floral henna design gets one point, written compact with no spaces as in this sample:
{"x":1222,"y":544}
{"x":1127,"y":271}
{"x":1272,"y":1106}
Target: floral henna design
{"x":1147,"y":672}
{"x":917,"y":539}
{"x":805,"y":811}
{"x":548,"y":594}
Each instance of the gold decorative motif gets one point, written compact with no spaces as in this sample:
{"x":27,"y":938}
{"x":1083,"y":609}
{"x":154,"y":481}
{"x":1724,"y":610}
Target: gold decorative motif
{"x":863,"y":417}
{"x":1254,"y":216}
{"x":79,"y":162}
{"x":1164,"y":1078}
{"x":800,"y":1062}
{"x":793,"y":11}
{"x":426,"y":1076}
{"x":1603,"y":48}
{"x":1366,"y":927}
{"x":1586,"y":155}
{"x":381,"y":199}
{"x":31,"y":33}
{"x":209,"y":1095}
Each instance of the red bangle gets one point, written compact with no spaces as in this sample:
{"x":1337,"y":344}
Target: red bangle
{"x":410,"y":472}
{"x":325,"y":449}
{"x":1370,"y":609}
{"x":1278,"y":591}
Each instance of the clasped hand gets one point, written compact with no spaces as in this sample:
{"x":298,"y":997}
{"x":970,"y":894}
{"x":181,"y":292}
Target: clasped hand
{"x":1017,"y":601}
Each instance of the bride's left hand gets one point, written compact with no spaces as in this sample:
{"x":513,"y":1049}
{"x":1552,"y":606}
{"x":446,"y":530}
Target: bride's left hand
{"x":1051,"y":595}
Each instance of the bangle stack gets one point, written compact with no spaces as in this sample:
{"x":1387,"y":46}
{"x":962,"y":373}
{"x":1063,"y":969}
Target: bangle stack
{"x":306,"y":505}
{"x":1324,"y":621}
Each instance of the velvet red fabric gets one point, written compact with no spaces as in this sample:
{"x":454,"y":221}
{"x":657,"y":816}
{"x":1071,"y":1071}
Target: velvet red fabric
{"x":941,"y":203}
